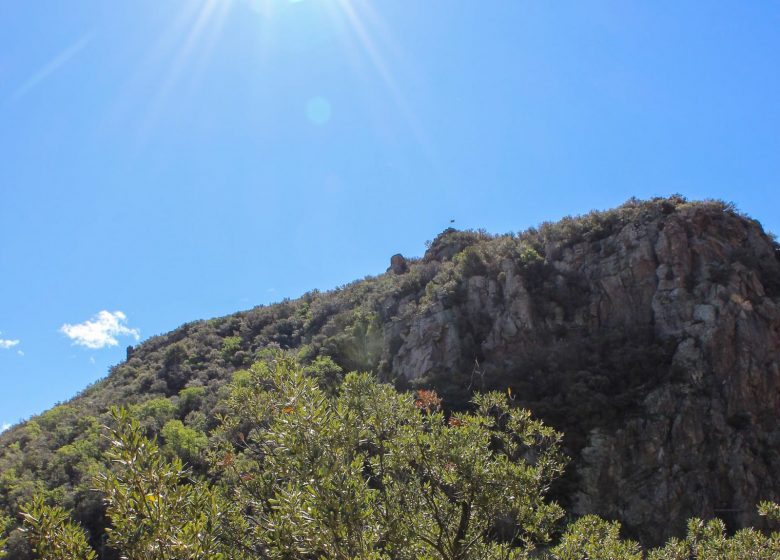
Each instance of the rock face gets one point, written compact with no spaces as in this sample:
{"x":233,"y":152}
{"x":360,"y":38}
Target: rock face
{"x":655,"y":349}
{"x":398,"y":264}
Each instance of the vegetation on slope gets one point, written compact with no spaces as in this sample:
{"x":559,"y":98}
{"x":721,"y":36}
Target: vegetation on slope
{"x":300,"y":470}
{"x":175,"y":385}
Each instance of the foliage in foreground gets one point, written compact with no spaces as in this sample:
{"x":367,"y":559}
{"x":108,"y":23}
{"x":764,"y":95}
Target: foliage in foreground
{"x":372,"y":473}
{"x":355,"y":471}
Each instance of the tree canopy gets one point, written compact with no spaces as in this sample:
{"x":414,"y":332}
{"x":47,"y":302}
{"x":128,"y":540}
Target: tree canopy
{"x":300,"y":468}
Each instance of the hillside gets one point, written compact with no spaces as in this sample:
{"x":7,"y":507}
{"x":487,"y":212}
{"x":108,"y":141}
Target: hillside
{"x":648,"y":334}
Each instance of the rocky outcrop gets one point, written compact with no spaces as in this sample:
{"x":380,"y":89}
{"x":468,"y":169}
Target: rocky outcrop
{"x":398,"y":264}
{"x":655,"y":349}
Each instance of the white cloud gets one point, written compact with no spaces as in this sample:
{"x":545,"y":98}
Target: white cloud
{"x":20,"y":352}
{"x":6,"y":344}
{"x":4,"y":427}
{"x":100,"y":331}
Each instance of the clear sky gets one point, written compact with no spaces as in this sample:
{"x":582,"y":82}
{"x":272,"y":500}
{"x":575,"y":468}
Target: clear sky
{"x":163,"y":161}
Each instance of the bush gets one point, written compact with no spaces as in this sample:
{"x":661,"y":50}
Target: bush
{"x":183,"y":441}
{"x":230,"y":346}
{"x":371,"y":473}
{"x":365,"y":473}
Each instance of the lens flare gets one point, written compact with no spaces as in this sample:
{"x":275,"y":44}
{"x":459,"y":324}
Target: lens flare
{"x":364,"y":38}
{"x":318,"y":110}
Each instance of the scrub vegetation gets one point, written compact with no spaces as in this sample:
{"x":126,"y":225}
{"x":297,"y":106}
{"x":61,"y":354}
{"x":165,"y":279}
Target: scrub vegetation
{"x":251,"y":435}
{"x":297,"y":469}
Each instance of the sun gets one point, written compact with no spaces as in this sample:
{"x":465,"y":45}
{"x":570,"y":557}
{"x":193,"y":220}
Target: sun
{"x":200,"y":25}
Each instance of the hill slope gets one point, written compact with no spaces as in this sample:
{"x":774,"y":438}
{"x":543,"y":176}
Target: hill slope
{"x":648,"y":334}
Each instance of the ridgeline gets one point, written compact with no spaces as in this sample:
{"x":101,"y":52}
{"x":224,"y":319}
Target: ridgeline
{"x":648,"y":334}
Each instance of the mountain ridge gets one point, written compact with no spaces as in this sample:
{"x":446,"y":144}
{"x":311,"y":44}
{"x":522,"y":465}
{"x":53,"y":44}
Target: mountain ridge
{"x":649,"y":334}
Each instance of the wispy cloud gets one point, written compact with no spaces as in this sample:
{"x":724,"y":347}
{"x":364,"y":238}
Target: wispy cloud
{"x":6,"y":344}
{"x":100,"y":331}
{"x":52,"y":66}
{"x":4,"y":427}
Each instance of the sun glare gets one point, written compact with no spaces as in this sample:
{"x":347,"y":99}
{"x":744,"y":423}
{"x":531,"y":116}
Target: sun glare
{"x":201,"y":24}
{"x":191,"y":38}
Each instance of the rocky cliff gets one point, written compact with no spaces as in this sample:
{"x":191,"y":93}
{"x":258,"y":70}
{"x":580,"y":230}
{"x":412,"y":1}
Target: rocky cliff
{"x":648,"y":334}
{"x":654,"y":344}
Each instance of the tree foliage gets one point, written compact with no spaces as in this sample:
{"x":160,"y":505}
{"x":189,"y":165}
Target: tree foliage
{"x":301,"y":470}
{"x":371,"y":473}
{"x":157,"y":510}
{"x":592,"y":538}
{"x":52,"y":533}
{"x":364,"y":473}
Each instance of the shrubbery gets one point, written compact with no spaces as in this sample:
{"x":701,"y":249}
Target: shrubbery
{"x":359,"y":471}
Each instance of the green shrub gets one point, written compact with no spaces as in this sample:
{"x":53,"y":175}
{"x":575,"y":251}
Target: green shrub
{"x":190,"y":399}
{"x":183,"y":441}
{"x":154,"y":413}
{"x":230,"y":346}
{"x":53,"y":534}
{"x":362,"y":473}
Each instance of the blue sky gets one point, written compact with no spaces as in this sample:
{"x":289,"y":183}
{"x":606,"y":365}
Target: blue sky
{"x":163,"y":161}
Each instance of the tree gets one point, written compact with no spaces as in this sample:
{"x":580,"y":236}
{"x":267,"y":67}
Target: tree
{"x":709,"y":541}
{"x":592,"y":538}
{"x":371,"y":473}
{"x":157,"y":510}
{"x":357,"y":471}
{"x":183,"y":441}
{"x":52,"y":533}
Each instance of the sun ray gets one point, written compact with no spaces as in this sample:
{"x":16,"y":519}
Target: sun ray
{"x":188,"y":44}
{"x":207,"y":19}
{"x":212,"y":34}
{"x":367,"y":43}
{"x":52,"y":66}
{"x":181,"y":59}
